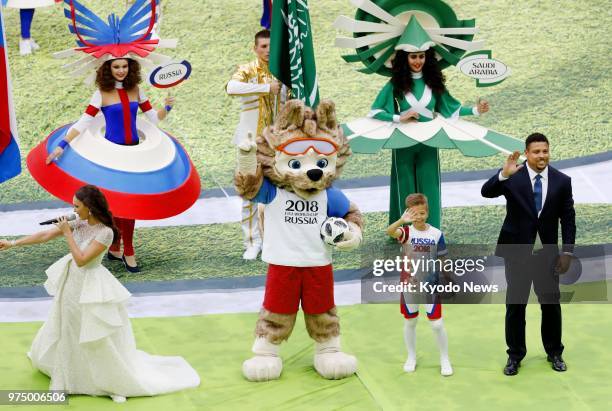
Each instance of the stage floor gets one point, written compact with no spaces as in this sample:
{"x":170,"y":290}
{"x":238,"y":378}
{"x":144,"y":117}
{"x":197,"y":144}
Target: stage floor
{"x":216,"y":345}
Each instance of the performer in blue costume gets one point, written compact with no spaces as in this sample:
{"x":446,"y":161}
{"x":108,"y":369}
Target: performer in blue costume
{"x":144,"y":173}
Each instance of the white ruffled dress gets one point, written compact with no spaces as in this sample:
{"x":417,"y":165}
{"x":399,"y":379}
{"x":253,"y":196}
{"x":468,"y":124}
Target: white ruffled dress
{"x":87,"y":346}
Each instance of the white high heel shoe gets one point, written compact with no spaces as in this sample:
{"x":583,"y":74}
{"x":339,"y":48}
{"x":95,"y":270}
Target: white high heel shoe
{"x":119,"y":399}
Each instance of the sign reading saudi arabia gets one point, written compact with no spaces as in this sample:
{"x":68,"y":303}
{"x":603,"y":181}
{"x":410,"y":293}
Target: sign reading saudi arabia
{"x":292,"y":59}
{"x":484,"y":69}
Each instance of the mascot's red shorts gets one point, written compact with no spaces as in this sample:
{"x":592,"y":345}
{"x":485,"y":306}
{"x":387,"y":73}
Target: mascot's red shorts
{"x":287,"y":286}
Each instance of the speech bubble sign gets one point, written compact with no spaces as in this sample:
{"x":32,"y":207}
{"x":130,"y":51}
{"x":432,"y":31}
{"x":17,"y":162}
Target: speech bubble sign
{"x":170,"y":75}
{"x":485,"y":70}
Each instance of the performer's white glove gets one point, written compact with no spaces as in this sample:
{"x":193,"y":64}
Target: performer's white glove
{"x":247,"y":155}
{"x":352,"y":238}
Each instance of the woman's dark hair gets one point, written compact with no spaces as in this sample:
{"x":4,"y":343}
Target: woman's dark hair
{"x":402,"y":78}
{"x":106,"y":82}
{"x":94,"y":199}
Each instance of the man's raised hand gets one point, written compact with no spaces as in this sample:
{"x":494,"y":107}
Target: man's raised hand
{"x":511,"y":166}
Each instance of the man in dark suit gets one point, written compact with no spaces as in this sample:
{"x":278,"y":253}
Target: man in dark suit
{"x":538,"y":196}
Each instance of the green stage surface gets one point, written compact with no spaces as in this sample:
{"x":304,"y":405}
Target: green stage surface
{"x":216,"y":345}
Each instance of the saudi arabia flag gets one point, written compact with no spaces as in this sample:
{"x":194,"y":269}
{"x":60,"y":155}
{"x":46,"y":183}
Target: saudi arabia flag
{"x":292,"y":58}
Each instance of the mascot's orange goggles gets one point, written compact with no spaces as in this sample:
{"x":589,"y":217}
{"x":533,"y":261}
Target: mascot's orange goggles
{"x":301,"y":145}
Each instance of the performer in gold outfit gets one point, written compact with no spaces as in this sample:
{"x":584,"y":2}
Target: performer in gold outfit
{"x":261,"y":97}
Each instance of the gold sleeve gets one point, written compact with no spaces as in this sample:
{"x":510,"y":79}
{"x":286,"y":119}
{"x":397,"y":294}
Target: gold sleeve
{"x":241,"y":83}
{"x":242,"y":73}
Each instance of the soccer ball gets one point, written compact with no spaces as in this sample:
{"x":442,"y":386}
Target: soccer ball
{"x":333,"y":230}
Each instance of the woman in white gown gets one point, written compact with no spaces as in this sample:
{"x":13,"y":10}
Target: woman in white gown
{"x":87,"y":345}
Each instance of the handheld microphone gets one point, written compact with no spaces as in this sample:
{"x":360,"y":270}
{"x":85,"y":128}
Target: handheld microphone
{"x":69,"y":217}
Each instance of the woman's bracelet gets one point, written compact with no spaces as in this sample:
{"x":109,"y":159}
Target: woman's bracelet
{"x":13,"y":243}
{"x":63,"y":144}
{"x":168,"y":108}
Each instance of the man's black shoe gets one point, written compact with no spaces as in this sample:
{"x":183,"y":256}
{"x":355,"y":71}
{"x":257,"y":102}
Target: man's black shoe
{"x":557,"y":363}
{"x":512,"y":367}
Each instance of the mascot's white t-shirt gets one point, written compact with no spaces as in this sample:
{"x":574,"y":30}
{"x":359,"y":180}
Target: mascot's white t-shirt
{"x":292,"y":225}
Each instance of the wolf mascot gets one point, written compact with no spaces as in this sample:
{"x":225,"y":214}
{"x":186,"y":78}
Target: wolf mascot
{"x":290,"y":170}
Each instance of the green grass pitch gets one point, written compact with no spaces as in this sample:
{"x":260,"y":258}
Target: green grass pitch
{"x":208,"y":251}
{"x":556,"y":50}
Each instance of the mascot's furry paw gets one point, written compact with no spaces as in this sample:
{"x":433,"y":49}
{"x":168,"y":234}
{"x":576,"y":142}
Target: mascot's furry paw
{"x":335,"y":366}
{"x":247,"y":156}
{"x":352,"y":237}
{"x":266,"y":364}
{"x":331,"y":363}
{"x":262,"y":368}
{"x":248,"y":145}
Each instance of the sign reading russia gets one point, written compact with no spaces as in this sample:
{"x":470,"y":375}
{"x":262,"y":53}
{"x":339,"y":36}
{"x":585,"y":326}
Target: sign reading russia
{"x":170,"y":75}
{"x":484,"y":69}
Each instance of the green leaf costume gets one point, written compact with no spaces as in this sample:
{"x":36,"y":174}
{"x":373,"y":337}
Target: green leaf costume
{"x":379,"y":29}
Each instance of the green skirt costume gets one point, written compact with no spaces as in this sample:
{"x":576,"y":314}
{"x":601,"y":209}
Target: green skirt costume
{"x":415,"y":165}
{"x":380,"y":28}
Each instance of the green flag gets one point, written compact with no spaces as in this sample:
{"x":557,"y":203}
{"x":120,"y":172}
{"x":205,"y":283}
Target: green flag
{"x":292,"y":58}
